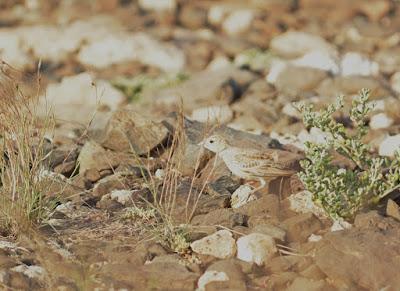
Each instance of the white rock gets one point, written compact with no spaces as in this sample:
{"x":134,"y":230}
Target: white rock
{"x":378,"y":105}
{"x":340,"y":225}
{"x":314,"y":238}
{"x":389,"y":145}
{"x":112,"y":49}
{"x":291,"y":111}
{"x":76,"y":100}
{"x":294,"y":44}
{"x":213,"y":114}
{"x":158,"y":5}
{"x":395,"y":82}
{"x":355,"y":64}
{"x":302,"y":203}
{"x":315,"y":135}
{"x":219,"y":63}
{"x":6,"y":245}
{"x":210,"y":276}
{"x":318,"y":60}
{"x":276,"y":68}
{"x":34,"y":272}
{"x":54,"y":45}
{"x":238,"y":21}
{"x":67,"y":209}
{"x":242,"y":196}
{"x":255,"y":248}
{"x":121,"y":196}
{"x":3,"y":277}
{"x":287,"y":138}
{"x":11,"y":50}
{"x":380,"y":120}
{"x":220,"y":245}
{"x":120,"y":48}
{"x":159,"y":174}
{"x":217,"y":13}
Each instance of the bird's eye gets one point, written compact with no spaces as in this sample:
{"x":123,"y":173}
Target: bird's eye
{"x":211,"y":141}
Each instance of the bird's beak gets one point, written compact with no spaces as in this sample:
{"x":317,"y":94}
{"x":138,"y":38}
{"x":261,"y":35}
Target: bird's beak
{"x":201,"y":143}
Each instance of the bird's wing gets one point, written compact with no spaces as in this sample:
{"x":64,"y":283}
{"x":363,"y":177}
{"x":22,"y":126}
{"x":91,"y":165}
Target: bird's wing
{"x":264,"y":163}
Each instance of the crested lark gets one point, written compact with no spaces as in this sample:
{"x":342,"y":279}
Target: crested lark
{"x":252,"y":164}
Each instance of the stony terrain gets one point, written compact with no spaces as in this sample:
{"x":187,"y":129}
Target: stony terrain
{"x":136,"y":85}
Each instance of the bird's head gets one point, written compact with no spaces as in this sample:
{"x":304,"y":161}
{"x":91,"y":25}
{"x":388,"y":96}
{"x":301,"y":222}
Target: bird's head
{"x":214,"y":143}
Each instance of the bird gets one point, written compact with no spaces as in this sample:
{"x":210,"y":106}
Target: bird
{"x":252,"y":164}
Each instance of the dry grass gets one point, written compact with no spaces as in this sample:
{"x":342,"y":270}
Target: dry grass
{"x":23,"y":144}
{"x":158,"y":217}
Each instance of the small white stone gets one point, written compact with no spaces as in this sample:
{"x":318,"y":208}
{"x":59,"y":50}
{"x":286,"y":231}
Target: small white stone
{"x":6,"y":245}
{"x":76,"y":100}
{"x":389,"y":145}
{"x":121,"y":196}
{"x":238,"y":22}
{"x":220,"y":245}
{"x":395,"y":82}
{"x":380,"y":120}
{"x":11,"y":51}
{"x":33,"y":272}
{"x":158,"y":5}
{"x":318,"y":60}
{"x":315,"y":135}
{"x":255,"y":248}
{"x":340,"y":225}
{"x":219,"y":63}
{"x":291,"y":111}
{"x":112,"y":49}
{"x":242,"y":196}
{"x":314,"y":238}
{"x":378,"y":105}
{"x":159,"y":174}
{"x":294,"y":44}
{"x":276,"y":68}
{"x":216,"y":14}
{"x":3,"y":277}
{"x":355,"y":64}
{"x":67,"y":209}
{"x":302,"y":202}
{"x":210,"y":276}
{"x":287,"y":138}
{"x":213,"y":114}
{"x":126,"y":47}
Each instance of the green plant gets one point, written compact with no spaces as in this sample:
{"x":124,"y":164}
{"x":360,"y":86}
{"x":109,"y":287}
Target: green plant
{"x":342,"y":192}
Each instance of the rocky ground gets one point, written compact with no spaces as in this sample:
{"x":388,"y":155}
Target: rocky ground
{"x":118,"y":75}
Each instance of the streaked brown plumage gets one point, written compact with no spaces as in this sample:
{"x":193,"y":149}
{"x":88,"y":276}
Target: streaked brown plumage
{"x":253,"y":164}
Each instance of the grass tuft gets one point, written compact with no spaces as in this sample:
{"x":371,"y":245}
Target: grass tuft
{"x":24,"y":149}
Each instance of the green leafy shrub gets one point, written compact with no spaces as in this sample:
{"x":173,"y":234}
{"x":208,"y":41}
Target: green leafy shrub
{"x":342,"y":192}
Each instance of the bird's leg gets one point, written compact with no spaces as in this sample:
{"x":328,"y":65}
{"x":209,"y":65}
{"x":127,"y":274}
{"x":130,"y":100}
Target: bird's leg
{"x":262,"y":185}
